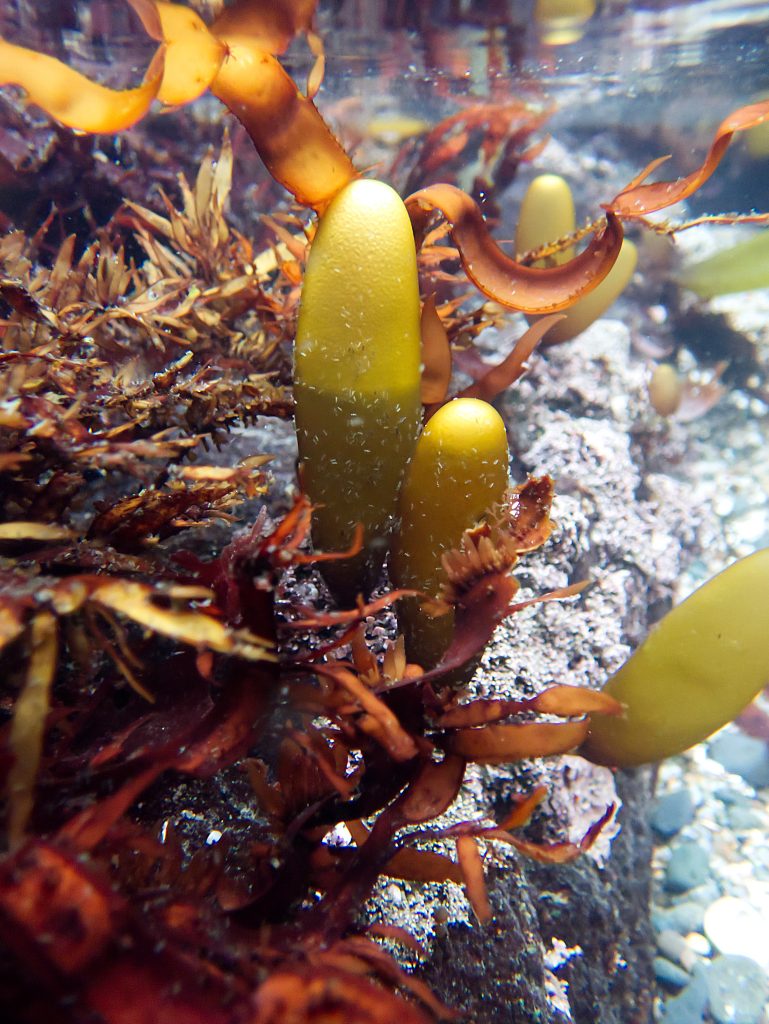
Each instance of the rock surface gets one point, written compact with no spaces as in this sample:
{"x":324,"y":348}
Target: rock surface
{"x":570,"y":943}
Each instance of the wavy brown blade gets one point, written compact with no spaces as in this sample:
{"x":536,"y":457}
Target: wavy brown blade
{"x":379,"y":960}
{"x":73,"y":99}
{"x":475,"y":622}
{"x":503,"y":279}
{"x":639,"y":199}
{"x":30,"y":711}
{"x":91,"y":825}
{"x":60,"y":911}
{"x":567,"y":701}
{"x":471,"y":863}
{"x":499,"y":744}
{"x":436,"y":355}
{"x":553,"y":853}
{"x":379,"y":721}
{"x":576,"y":700}
{"x":423,"y":866}
{"x":513,"y":365}
{"x":295,"y":143}
{"x":328,"y":997}
{"x":432,"y":792}
{"x":271,"y":25}
{"x":316,"y":620}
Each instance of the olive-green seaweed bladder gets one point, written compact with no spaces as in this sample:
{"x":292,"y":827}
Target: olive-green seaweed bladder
{"x":458,"y":472}
{"x":357,"y":376}
{"x":741,"y":268}
{"x":700,"y":666}
{"x":546,"y":215}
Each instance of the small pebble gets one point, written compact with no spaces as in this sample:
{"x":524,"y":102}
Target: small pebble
{"x":689,"y":1006}
{"x":671,"y":812}
{"x":706,"y":893}
{"x":395,"y":894}
{"x":659,"y":919}
{"x":729,"y":796}
{"x":737,"y":990}
{"x":673,"y":945}
{"x":689,"y":866}
{"x":670,"y":974}
{"x":686,"y":916}
{"x":743,"y":755}
{"x":741,"y":819}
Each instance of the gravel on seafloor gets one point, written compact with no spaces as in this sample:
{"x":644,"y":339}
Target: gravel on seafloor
{"x":711,"y":812}
{"x":711,"y":884}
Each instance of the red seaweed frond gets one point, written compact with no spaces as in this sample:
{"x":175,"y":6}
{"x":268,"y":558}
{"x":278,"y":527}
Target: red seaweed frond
{"x":518,"y":525}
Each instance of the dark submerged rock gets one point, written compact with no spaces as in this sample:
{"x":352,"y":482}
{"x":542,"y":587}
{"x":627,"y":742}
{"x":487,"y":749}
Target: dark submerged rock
{"x":743,"y":755}
{"x":671,"y":812}
{"x":737,"y":990}
{"x":688,"y":867}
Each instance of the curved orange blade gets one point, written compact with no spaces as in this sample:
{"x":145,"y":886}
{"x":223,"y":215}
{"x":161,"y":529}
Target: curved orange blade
{"x":637,"y":200}
{"x":295,"y":143}
{"x":436,"y":354}
{"x":193,"y":54}
{"x":500,"y":744}
{"x":513,"y":366}
{"x":73,"y":99}
{"x":529,"y":289}
{"x":271,"y":25}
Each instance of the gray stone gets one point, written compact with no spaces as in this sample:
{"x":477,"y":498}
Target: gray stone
{"x":661,"y":920}
{"x":632,"y":544}
{"x":671,"y":812}
{"x":684,"y":917}
{"x":743,"y":818}
{"x":690,"y":1005}
{"x":688,"y":867}
{"x":737,"y":990}
{"x":743,"y":755}
{"x":732,"y":797}
{"x":670,"y":974}
{"x":673,"y":945}
{"x":706,"y":892}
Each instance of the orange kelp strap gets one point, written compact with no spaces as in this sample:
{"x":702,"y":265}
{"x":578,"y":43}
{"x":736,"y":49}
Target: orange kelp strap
{"x":73,"y":99}
{"x":193,"y":54}
{"x":637,"y":199}
{"x":529,"y":289}
{"x":271,"y":24}
{"x":297,"y":146}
